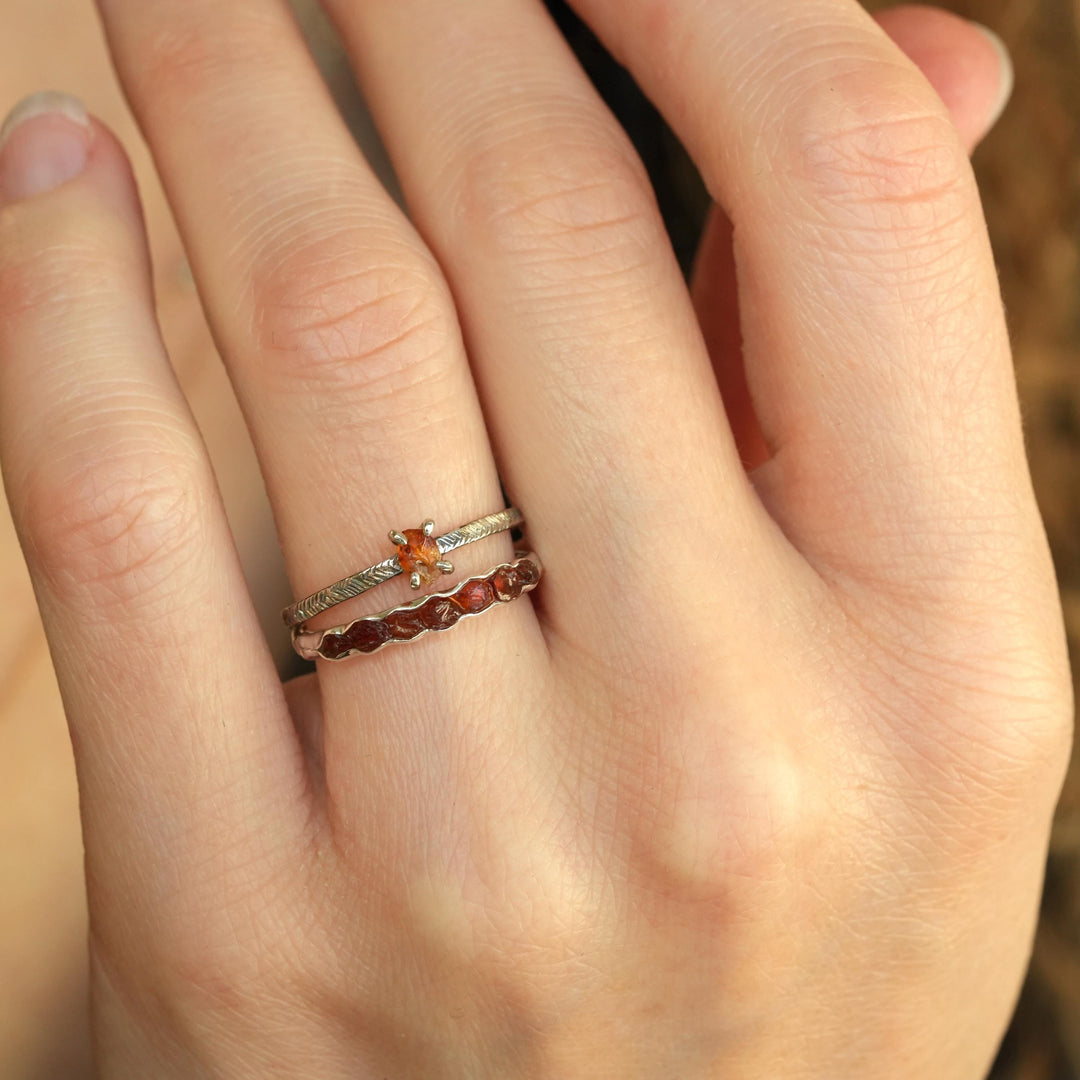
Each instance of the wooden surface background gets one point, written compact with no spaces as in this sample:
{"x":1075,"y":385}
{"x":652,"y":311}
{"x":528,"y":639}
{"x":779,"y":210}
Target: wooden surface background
{"x":1030,"y":175}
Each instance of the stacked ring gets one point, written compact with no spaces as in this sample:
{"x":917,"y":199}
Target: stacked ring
{"x":435,"y":612}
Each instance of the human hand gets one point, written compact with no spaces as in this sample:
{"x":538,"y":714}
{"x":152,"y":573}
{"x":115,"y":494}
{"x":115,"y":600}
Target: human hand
{"x":758,"y":782}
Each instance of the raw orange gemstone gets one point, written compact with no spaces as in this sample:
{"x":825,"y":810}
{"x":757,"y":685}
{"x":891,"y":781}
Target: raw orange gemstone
{"x":407,"y":623}
{"x":364,"y":636}
{"x":419,"y":555}
{"x":475,"y":596}
{"x":528,"y":572}
{"x":506,"y":584}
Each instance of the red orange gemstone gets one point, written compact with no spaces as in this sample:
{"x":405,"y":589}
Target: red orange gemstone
{"x":506,"y":583}
{"x":367,"y":635}
{"x":442,"y":613}
{"x":406,"y":623}
{"x":475,"y":596}
{"x":335,"y":646}
{"x":363,"y":636}
{"x":528,"y":572}
{"x":419,"y":554}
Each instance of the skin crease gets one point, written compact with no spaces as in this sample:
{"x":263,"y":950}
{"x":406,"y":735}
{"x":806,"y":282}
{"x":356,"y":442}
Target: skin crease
{"x":965,"y":69}
{"x":759,"y":781}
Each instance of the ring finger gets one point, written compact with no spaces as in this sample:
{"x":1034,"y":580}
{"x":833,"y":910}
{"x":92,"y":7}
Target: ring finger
{"x":600,"y":397}
{"x":335,"y":322}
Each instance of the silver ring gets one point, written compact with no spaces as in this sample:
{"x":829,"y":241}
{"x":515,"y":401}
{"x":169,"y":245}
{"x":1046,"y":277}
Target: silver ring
{"x":418,"y":553}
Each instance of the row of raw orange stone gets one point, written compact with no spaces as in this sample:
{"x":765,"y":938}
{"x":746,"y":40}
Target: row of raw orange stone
{"x":436,"y":612}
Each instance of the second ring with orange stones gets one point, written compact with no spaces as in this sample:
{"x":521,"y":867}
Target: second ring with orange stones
{"x":435,"y":612}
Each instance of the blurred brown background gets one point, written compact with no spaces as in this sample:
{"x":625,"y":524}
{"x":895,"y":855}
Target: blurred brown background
{"x":1030,"y":175}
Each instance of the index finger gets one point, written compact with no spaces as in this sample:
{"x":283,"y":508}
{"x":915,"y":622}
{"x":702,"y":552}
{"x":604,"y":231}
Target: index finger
{"x":185,"y":753}
{"x":875,"y":343}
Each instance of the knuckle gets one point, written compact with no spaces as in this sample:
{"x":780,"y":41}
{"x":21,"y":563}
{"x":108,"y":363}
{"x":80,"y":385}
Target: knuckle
{"x":179,"y":58}
{"x":574,"y":200}
{"x":362,"y":326}
{"x":1022,"y":747}
{"x":873,"y":149}
{"x":980,"y":714}
{"x":109,"y":530}
{"x":45,"y":264}
{"x":209,"y":972}
{"x":718,"y":846}
{"x":207,"y":964}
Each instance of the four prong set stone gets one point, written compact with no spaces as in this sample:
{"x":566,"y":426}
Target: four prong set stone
{"x":420,"y":555}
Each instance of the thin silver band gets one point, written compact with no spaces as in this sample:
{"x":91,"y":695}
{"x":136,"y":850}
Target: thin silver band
{"x":361,"y":582}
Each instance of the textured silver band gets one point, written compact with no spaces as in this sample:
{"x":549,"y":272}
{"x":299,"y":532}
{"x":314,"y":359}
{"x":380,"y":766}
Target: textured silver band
{"x":361,"y":582}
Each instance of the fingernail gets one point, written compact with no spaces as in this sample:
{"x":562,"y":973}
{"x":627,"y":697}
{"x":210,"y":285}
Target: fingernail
{"x":44,"y":142}
{"x":1008,"y":74}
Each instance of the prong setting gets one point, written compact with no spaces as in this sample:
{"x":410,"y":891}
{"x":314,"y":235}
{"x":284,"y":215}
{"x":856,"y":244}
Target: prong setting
{"x":416,"y":551}
{"x":444,"y":566}
{"x":414,"y":579}
{"x":428,"y":528}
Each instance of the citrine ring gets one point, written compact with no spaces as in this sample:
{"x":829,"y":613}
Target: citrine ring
{"x":420,"y":554}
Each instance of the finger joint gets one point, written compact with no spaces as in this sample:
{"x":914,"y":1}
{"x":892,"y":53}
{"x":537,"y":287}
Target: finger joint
{"x":369,"y":327}
{"x":109,"y":528}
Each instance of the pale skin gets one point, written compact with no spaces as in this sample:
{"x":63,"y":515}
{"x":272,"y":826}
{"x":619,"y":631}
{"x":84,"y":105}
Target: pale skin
{"x":758,"y":782}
